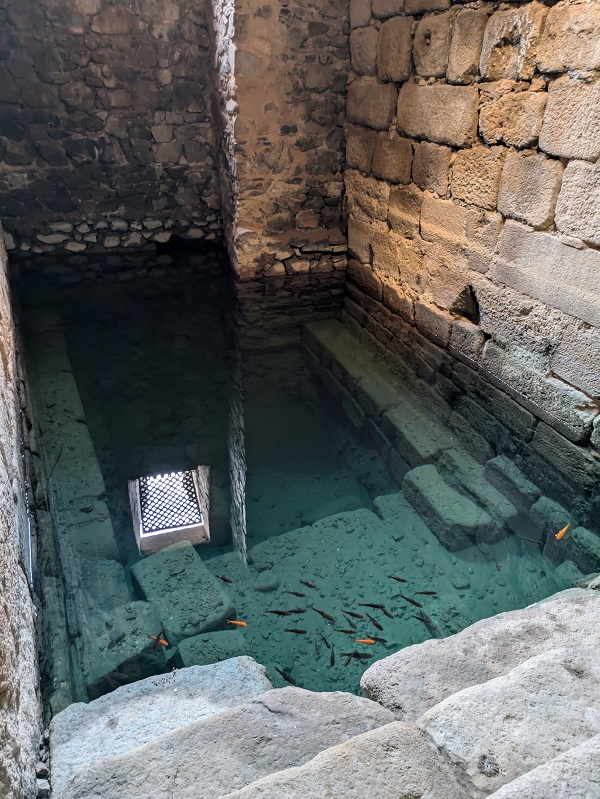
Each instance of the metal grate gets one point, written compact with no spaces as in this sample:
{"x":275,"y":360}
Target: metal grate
{"x":169,"y":501}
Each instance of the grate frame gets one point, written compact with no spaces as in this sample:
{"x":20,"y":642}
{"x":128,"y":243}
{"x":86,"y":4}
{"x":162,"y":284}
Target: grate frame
{"x":168,"y":502}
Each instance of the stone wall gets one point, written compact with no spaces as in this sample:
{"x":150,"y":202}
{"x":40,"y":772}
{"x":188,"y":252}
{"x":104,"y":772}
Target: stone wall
{"x":19,"y":696}
{"x":105,"y":130}
{"x":473,"y":200}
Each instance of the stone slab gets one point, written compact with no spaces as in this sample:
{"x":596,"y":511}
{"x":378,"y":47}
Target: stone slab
{"x":452,"y":517}
{"x":208,"y":648}
{"x":503,"y":728}
{"x":84,"y":734}
{"x":419,"y":438}
{"x":188,"y":599}
{"x":418,"y":677}
{"x":217,"y":755}
{"x":104,"y":583}
{"x":510,"y":480}
{"x":395,"y":762}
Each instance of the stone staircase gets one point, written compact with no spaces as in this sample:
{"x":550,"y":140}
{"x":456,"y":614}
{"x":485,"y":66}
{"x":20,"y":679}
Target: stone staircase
{"x":508,"y":708}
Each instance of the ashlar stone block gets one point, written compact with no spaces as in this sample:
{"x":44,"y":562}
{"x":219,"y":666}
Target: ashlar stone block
{"x":510,"y":41}
{"x":368,"y":199}
{"x":431,"y":45}
{"x":570,"y":39}
{"x":577,"y":357}
{"x":529,"y":188}
{"x":360,"y":13}
{"x":440,"y":113}
{"x":394,"y":49}
{"x":572,"y":119}
{"x":578,"y":209}
{"x":359,"y":148}
{"x":387,"y":8}
{"x":514,"y":119}
{"x":476,"y":176}
{"x":465,"y":49}
{"x":404,"y":210}
{"x":420,"y":6}
{"x":370,"y":103}
{"x":431,"y":167}
{"x":363,"y":50}
{"x":392,"y":158}
{"x":359,"y":236}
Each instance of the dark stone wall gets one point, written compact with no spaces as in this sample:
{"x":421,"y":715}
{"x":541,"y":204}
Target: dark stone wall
{"x":105,"y":131}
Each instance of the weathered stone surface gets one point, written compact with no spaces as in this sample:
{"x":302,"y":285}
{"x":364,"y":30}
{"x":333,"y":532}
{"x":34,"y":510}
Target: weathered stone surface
{"x":510,"y":41}
{"x":576,"y":359}
{"x":404,"y":210}
{"x":529,"y":188}
{"x":103,"y":582}
{"x":387,"y":8}
{"x":540,"y":265}
{"x":444,"y":222}
{"x":465,"y":49}
{"x":453,"y":518}
{"x":577,"y":211}
{"x":359,"y":235}
{"x":572,"y":118}
{"x":419,"y":6}
{"x":407,"y":766}
{"x":188,"y":599}
{"x":443,"y":114}
{"x":84,"y":734}
{"x":395,"y":257}
{"x":467,"y":338}
{"x":418,"y":438}
{"x":392,"y":158}
{"x":363,"y":276}
{"x":359,"y":148}
{"x":514,"y":119}
{"x":431,"y":167}
{"x":293,"y":725}
{"x":573,"y":773}
{"x":507,"y":478}
{"x":432,"y":44}
{"x":360,"y":13}
{"x":433,"y":322}
{"x":370,"y":103}
{"x":208,"y":648}
{"x":417,"y":678}
{"x":570,"y":38}
{"x":368,"y":199}
{"x":394,"y":49}
{"x":576,"y":463}
{"x":363,"y":50}
{"x":476,"y":176}
{"x":554,"y":692}
{"x":113,"y":21}
{"x":579,"y":545}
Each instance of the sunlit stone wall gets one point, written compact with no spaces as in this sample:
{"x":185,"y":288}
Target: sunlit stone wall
{"x":106,"y":138}
{"x":19,"y":694}
{"x":473,"y":196}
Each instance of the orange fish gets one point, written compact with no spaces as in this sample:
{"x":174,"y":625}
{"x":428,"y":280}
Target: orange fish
{"x":364,"y":641}
{"x":237,"y":623}
{"x":158,"y":640}
{"x":561,"y":533}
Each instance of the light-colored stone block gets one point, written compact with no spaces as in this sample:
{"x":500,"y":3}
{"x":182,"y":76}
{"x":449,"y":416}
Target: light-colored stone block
{"x":529,"y":188}
{"x":394,"y":49}
{"x":392,"y":158}
{"x":476,"y":176}
{"x":444,"y":222}
{"x":465,"y":49}
{"x":540,"y":265}
{"x":570,"y":39}
{"x":419,"y":6}
{"x":360,"y":13}
{"x":359,"y":148}
{"x":433,"y":322}
{"x":572,"y":119}
{"x":514,"y":119}
{"x":396,"y":257}
{"x":441,"y":113}
{"x":387,"y":8}
{"x":483,"y":230}
{"x":363,"y":50}
{"x":578,"y":206}
{"x":359,"y":236}
{"x":467,"y":338}
{"x":364,"y":277}
{"x":431,"y":167}
{"x":370,"y":103}
{"x":510,"y":41}
{"x":431,"y":44}
{"x":576,"y":359}
{"x":368,"y":199}
{"x":404,"y":210}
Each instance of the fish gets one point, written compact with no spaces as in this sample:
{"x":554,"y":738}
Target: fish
{"x":379,"y":640}
{"x":377,"y":606}
{"x":364,"y":640}
{"x":351,"y":613}
{"x":357,"y":655}
{"x":351,"y":623}
{"x":225,"y":579}
{"x":280,"y":612}
{"x":332,"y":657}
{"x":237,"y":623}
{"x":349,"y":655}
{"x":326,"y":616}
{"x":317,"y":650}
{"x":347,"y":632}
{"x":397,"y":579}
{"x":426,"y":593}
{"x":296,"y":593}
{"x":374,"y":622}
{"x":387,"y":613}
{"x":287,"y":677}
{"x":307,"y":584}
{"x":297,"y":610}
{"x":423,"y":618}
{"x":562,"y":532}
{"x":297,"y":632}
{"x":412,"y":601}
{"x":325,"y":641}
{"x":159,"y":640}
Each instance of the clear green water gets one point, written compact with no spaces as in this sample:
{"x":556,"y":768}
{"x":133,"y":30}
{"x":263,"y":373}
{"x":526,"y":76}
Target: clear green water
{"x":151,"y":359}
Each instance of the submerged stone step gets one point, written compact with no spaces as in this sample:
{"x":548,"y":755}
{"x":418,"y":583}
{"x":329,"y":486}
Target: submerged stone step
{"x":452,"y":517}
{"x":418,"y":437}
{"x":420,"y":676}
{"x":501,"y":729}
{"x":84,"y":734}
{"x":188,"y":599}
{"x":391,"y":762}
{"x":510,"y":480}
{"x":200,"y":650}
{"x":329,"y":340}
{"x":214,"y":756}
